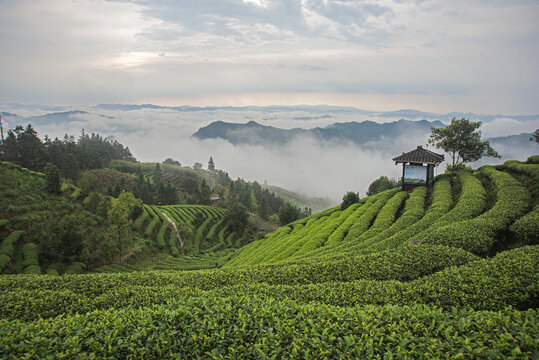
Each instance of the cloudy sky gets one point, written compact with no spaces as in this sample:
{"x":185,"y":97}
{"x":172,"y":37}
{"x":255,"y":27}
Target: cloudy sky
{"x":460,"y":55}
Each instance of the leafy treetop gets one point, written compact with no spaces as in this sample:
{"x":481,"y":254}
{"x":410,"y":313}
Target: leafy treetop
{"x":461,"y":139}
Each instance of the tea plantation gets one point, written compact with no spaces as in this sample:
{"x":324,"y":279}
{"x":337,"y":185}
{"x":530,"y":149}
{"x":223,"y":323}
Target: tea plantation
{"x":450,"y":273}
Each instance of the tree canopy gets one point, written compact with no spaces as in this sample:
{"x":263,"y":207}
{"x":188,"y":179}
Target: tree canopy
{"x":211,"y":164}
{"x":348,"y":199}
{"x":381,"y":184}
{"x":24,"y":147}
{"x":461,"y":139}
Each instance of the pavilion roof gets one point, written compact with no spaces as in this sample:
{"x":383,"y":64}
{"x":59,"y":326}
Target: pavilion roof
{"x":419,"y":155}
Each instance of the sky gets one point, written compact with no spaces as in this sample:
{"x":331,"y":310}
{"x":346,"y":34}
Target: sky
{"x":440,"y":56}
{"x":469,"y":56}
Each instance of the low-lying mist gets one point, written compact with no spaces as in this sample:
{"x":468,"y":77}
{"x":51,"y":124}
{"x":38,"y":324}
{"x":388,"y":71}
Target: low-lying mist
{"x":304,"y":165}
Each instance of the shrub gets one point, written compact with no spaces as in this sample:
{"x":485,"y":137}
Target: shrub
{"x":526,"y":229}
{"x":29,"y":253}
{"x":348,"y":199}
{"x":478,"y":235}
{"x":75,"y":268}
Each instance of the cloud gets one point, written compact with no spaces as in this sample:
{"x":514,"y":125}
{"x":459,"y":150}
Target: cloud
{"x":304,"y":164}
{"x":471,"y":56}
{"x":508,"y":126}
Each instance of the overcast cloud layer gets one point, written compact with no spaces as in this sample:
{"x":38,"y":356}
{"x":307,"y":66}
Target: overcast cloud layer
{"x":434,"y":55}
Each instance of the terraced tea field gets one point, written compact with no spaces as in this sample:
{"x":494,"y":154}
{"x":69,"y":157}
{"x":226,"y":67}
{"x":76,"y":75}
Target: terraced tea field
{"x":450,"y":273}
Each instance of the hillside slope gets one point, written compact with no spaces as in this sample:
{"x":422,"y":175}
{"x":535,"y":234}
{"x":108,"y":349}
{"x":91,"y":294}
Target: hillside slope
{"x":72,"y":232}
{"x":478,"y":212}
{"x":445,"y":274}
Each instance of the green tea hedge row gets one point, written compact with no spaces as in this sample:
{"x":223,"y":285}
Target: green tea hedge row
{"x":161,"y":243}
{"x":7,"y":248}
{"x":489,"y":284}
{"x":214,"y":229}
{"x":414,"y":209}
{"x":386,"y":216}
{"x":531,"y":170}
{"x":30,"y":261}
{"x":148,"y":232}
{"x":75,"y":268}
{"x":274,"y":245}
{"x":250,"y":328}
{"x":267,"y":248}
{"x":319,"y":238}
{"x":365,"y":221}
{"x":478,"y":235}
{"x":471,"y":203}
{"x":526,"y":229}
{"x":442,"y":201}
{"x":172,"y":241}
{"x":247,"y":253}
{"x":139,"y":222}
{"x":510,"y":278}
{"x":290,"y":245}
{"x":355,"y":211}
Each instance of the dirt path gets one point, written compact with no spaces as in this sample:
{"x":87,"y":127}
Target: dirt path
{"x":171,"y":222}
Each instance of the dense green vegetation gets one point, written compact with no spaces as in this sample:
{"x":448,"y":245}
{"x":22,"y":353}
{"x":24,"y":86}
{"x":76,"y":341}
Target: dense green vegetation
{"x":42,"y":232}
{"x":449,"y":272}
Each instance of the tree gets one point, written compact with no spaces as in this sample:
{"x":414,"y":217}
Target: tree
{"x":348,"y":199}
{"x":381,"y":184}
{"x":461,"y":139}
{"x":88,"y":183}
{"x":263,"y":210}
{"x":288,"y":213}
{"x":204,"y":193}
{"x":211,"y":164}
{"x":118,"y":230}
{"x":197,"y":166}
{"x":52,"y":179}
{"x":171,"y":161}
{"x":237,"y":216}
{"x":535,"y":136}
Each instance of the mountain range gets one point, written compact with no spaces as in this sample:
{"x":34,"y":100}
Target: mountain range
{"x":360,"y":133}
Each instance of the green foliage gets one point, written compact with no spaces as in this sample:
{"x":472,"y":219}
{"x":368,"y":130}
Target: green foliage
{"x":171,"y":161}
{"x":8,"y":244}
{"x":348,"y":199}
{"x":75,"y":268}
{"x":534,"y":159}
{"x":535,"y":136}
{"x":461,"y":139}
{"x":478,"y":235}
{"x":336,"y":284}
{"x":526,"y":229}
{"x":381,"y":184}
{"x":288,"y":214}
{"x":471,"y":203}
{"x":52,"y":179}
{"x":30,"y":253}
{"x":172,"y":240}
{"x":366,"y":219}
{"x":237,"y":217}
{"x":118,"y":234}
{"x":137,"y":224}
{"x":211,"y":164}
{"x":259,"y":328}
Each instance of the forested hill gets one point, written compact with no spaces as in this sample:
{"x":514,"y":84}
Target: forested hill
{"x":356,"y":132}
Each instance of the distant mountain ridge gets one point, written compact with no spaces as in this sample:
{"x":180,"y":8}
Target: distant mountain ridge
{"x":356,"y":132}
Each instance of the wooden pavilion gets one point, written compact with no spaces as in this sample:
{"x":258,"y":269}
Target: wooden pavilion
{"x":418,"y":167}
